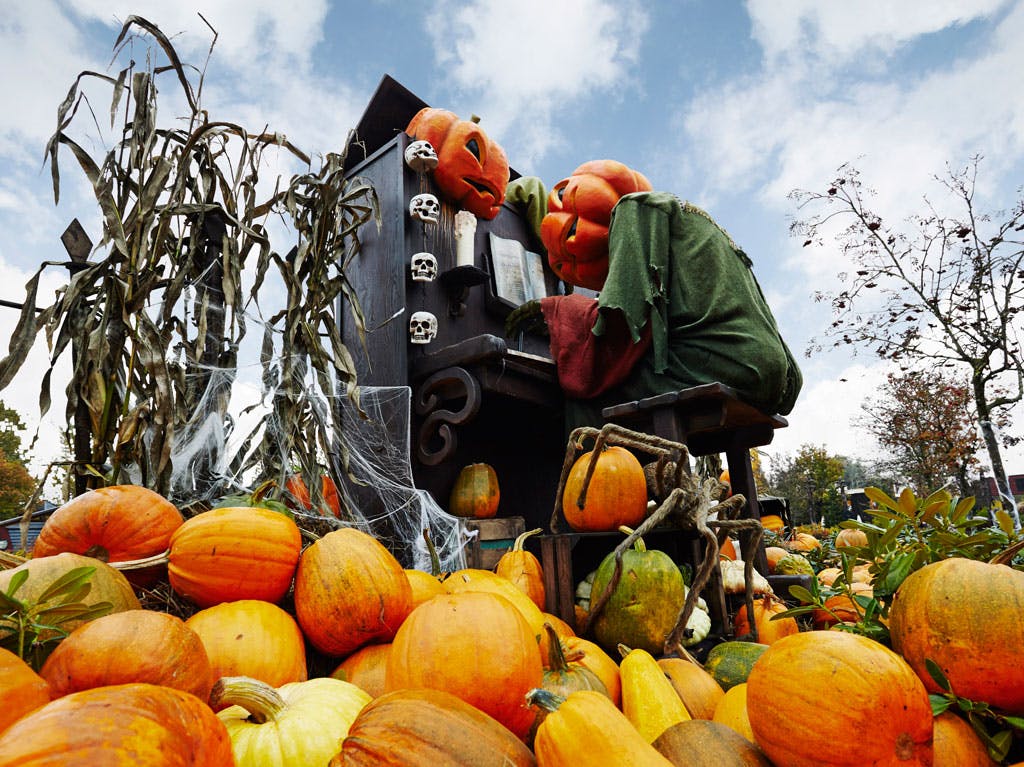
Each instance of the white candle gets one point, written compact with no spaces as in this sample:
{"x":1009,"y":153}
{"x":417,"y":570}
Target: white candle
{"x":465,"y":234}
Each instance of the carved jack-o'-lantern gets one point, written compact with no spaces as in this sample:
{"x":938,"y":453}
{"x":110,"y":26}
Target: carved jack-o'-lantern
{"x":575,"y":229}
{"x":472,"y":170}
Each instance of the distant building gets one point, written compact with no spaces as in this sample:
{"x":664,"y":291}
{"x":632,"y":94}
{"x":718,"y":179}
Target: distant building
{"x":988,"y":491}
{"x":10,"y":529}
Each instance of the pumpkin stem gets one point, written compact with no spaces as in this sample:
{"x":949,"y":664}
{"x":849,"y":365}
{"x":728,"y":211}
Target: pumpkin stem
{"x":638,"y":544}
{"x":435,"y":561}
{"x":544,"y":699}
{"x":262,"y":701}
{"x":556,"y":654}
{"x":98,"y":552}
{"x":474,"y":119}
{"x":623,"y":649}
{"x":518,"y":544}
{"x":137,"y":564}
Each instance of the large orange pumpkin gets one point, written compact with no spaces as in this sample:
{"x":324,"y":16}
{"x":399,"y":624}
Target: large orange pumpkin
{"x":474,"y":645}
{"x":233,"y":553}
{"x":575,"y":229}
{"x":144,"y":725}
{"x":475,"y":493}
{"x":22,"y":690}
{"x":616,"y":495}
{"x":843,"y":683}
{"x":113,"y":524}
{"x":850,"y":536}
{"x":131,"y":646}
{"x":350,"y":591}
{"x":472,"y":169}
{"x":432,"y":728}
{"x":965,"y":616}
{"x":252,"y":638}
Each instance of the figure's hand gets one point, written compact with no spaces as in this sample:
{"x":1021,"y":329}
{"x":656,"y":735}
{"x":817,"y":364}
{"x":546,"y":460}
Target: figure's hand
{"x":526,"y":318}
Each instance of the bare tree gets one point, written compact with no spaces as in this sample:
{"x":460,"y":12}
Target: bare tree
{"x":937,"y":290}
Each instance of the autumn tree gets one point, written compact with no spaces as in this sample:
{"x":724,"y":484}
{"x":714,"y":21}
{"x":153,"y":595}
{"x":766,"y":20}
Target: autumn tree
{"x":936,"y":290}
{"x":926,"y":423}
{"x":812,"y":481}
{"x":16,"y":484}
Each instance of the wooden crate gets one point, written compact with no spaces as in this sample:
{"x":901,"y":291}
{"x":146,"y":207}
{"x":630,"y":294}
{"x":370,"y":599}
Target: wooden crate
{"x":493,"y":538}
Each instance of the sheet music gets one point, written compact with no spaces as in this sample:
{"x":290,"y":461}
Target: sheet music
{"x":518,"y":273}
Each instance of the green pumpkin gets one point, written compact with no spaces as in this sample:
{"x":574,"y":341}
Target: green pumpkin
{"x":794,"y":564}
{"x":645,"y":604}
{"x":730,"y":662}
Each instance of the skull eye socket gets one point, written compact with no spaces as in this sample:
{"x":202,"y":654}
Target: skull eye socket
{"x":474,"y":148}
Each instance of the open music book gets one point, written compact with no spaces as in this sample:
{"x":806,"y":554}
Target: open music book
{"x":518,"y":273}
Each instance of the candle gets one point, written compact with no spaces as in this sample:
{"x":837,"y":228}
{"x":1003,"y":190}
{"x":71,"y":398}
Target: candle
{"x":465,"y":235}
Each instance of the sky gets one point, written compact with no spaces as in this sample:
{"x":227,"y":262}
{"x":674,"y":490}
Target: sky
{"x":728,"y":104}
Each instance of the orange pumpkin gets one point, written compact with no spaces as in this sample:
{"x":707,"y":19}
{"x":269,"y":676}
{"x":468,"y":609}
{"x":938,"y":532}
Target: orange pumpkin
{"x":768,"y":630}
{"x":523,"y":569}
{"x":472,"y":170}
{"x":428,"y":727}
{"x":296,"y":487}
{"x":966,"y":616}
{"x":21,"y":689}
{"x":131,"y":646}
{"x":873,"y":690}
{"x":699,"y":691}
{"x":472,"y":579}
{"x":113,"y":524}
{"x":850,"y":536}
{"x":365,"y":668}
{"x":475,"y":493}
{"x":803,"y":542}
{"x":233,"y":553}
{"x":727,"y":550}
{"x":474,"y":645}
{"x":589,"y":654}
{"x":842,"y":607}
{"x":139,"y":724}
{"x":732,"y":711}
{"x":957,"y":744}
{"x":350,"y":591}
{"x":575,"y":229}
{"x":424,"y":586}
{"x":616,"y":495}
{"x":772,"y":522}
{"x":773,"y":555}
{"x":252,"y":638}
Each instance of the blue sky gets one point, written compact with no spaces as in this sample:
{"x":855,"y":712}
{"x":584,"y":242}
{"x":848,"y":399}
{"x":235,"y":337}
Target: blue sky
{"x":728,"y":104}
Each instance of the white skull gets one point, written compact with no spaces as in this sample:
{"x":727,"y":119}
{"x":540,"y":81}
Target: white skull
{"x":420,"y":156}
{"x":423,"y":267}
{"x":425,"y":208}
{"x":422,"y":327}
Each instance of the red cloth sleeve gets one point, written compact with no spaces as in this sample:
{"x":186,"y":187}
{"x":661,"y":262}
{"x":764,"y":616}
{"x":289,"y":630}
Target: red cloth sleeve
{"x":590,"y":365}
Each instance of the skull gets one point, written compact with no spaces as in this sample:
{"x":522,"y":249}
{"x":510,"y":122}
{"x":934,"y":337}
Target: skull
{"x":423,"y":267}
{"x":420,"y":156}
{"x":425,"y":208}
{"x":422,"y":327}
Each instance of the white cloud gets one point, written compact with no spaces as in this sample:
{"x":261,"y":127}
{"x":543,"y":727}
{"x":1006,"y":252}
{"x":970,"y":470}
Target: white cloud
{"x":842,"y":31}
{"x":564,"y":53}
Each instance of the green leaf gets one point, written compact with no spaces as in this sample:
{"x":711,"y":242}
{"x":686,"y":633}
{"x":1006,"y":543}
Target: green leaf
{"x":937,"y":674}
{"x":900,"y":567}
{"x":67,"y":584}
{"x":880,"y":497}
{"x":17,"y":581}
{"x":939,"y":703}
{"x":1014,"y":721}
{"x":799,"y":592}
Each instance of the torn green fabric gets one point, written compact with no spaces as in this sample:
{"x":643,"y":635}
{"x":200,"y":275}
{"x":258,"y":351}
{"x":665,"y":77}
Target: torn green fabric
{"x":529,"y":193}
{"x":670,"y":264}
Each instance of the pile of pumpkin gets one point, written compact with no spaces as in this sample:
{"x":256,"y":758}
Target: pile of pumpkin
{"x":460,"y":670}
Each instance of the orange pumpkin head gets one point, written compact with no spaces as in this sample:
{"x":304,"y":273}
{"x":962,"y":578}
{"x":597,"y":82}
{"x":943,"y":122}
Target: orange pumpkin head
{"x":575,"y":229}
{"x":476,"y":492}
{"x":472,"y":170}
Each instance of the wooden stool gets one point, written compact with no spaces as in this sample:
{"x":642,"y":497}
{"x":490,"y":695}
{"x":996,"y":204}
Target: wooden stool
{"x":708,"y":419}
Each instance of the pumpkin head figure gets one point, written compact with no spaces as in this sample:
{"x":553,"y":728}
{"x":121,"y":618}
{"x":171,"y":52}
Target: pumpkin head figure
{"x":472,"y":170}
{"x":575,"y":229}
